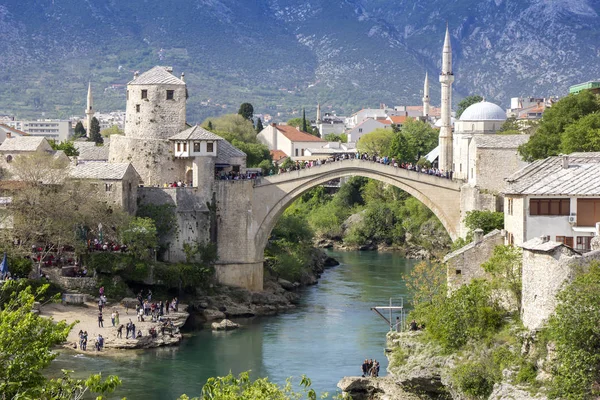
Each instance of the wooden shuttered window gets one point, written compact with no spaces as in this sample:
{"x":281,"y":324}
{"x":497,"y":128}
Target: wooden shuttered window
{"x":549,"y":206}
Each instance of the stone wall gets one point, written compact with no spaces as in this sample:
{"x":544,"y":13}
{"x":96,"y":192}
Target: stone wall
{"x":464,"y":264}
{"x":473,"y":198}
{"x":493,"y":165}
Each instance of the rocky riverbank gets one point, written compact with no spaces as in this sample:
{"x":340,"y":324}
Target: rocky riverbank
{"x":278,"y":295}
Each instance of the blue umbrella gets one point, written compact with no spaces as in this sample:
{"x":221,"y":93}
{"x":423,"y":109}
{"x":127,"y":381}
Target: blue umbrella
{"x":4,"y":266}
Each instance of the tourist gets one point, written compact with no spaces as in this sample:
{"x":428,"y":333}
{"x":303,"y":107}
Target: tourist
{"x":100,"y":304}
{"x":112,"y":318}
{"x":85,"y":338}
{"x":140,"y":315}
{"x":167,"y":306}
{"x":117,"y":317}
{"x":365,"y":367}
{"x":100,"y":320}
{"x":139,"y":334}
{"x":101,"y":291}
{"x":398,"y":324}
{"x":128,"y":328}
{"x":162,"y":307}
{"x":176,"y":301}
{"x":120,"y":332}
{"x":80,"y":339}
{"x":413,"y":325}
{"x":149,"y":295}
{"x":99,"y":343}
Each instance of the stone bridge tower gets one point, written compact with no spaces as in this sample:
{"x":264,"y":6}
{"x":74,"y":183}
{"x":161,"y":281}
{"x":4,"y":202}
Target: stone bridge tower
{"x":156,"y":109}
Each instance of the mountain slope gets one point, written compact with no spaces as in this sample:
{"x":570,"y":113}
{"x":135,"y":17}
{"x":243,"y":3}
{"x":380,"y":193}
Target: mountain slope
{"x":284,"y":54}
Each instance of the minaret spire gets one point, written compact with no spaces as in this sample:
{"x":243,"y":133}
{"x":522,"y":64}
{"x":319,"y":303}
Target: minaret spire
{"x":446,"y":80}
{"x":89,"y":111}
{"x":318,"y":113}
{"x":426,"y":96}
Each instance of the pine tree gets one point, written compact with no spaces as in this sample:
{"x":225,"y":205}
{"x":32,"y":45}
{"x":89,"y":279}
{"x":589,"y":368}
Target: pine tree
{"x":304,"y":125}
{"x":79,"y":130}
{"x":259,"y":126}
{"x":247,"y":111}
{"x":95,"y":135}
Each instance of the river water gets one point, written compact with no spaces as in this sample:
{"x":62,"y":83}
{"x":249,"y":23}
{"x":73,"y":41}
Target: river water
{"x":326,"y":337}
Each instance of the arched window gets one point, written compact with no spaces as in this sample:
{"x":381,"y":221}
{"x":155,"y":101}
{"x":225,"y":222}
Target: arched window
{"x":9,"y":158}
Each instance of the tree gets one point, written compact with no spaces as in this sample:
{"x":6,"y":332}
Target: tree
{"x":242,"y":388}
{"x":574,"y":330}
{"x":79,"y":130}
{"x":304,"y":124}
{"x":505,"y":267}
{"x":246,"y":111}
{"x":67,"y":146}
{"x":232,"y":126}
{"x":26,"y":349}
{"x":376,"y":142}
{"x":255,"y":152}
{"x":259,"y":126}
{"x":95,"y":135}
{"x":546,"y":141}
{"x":466,"y":102}
{"x":510,"y":125}
{"x":113,"y":130}
{"x":140,"y":237}
{"x":414,"y":140}
{"x":299,"y":123}
{"x":486,"y":220}
{"x":210,"y":126}
{"x":582,"y":135}
{"x":334,"y":137}
{"x":426,"y":281}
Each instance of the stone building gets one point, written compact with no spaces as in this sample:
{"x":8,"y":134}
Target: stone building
{"x":292,"y":141}
{"x":117,"y":182}
{"x":90,"y":152}
{"x":557,"y":197}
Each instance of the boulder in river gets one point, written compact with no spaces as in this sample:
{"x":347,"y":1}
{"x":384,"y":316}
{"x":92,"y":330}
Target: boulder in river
{"x":224,"y":325}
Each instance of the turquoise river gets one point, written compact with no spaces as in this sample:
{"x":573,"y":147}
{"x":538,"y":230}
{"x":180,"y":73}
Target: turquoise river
{"x":326,"y":337}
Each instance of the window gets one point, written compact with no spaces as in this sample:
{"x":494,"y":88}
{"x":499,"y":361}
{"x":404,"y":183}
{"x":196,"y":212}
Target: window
{"x":9,"y":158}
{"x":510,"y":239}
{"x":170,"y":94}
{"x":144,"y":94}
{"x":196,"y":147}
{"x":178,"y":147}
{"x":128,"y":95}
{"x":302,"y":152}
{"x":210,"y":147}
{"x":296,"y":152}
{"x":549,"y":206}
{"x":510,"y":207}
{"x":584,"y":243}
{"x":566,"y":240}
{"x":458,"y":272}
{"x":185,"y":147}
{"x":108,"y":187}
{"x":359,"y":130}
{"x":588,"y":212}
{"x":137,"y":108}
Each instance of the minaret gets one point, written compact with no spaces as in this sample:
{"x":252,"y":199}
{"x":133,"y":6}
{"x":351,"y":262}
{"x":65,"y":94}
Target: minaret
{"x":446,"y":80}
{"x":426,"y":96}
{"x":318,"y":121}
{"x":89,"y":111}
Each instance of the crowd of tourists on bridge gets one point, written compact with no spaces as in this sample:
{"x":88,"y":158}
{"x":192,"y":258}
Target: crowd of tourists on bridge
{"x":298,"y":165}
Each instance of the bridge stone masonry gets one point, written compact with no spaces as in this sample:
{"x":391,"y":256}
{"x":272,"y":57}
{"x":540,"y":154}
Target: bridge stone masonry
{"x":248,"y":210}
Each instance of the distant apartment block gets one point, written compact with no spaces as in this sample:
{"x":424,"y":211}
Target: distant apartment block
{"x":593,"y":86}
{"x":50,"y":129}
{"x":529,"y":108}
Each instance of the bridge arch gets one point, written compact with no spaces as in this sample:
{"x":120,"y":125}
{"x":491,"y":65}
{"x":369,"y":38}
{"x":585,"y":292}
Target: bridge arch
{"x":273,"y":195}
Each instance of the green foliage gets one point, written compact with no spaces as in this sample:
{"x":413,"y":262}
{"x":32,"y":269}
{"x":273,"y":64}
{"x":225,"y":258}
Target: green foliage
{"x":574,"y":330}
{"x":246,"y":111}
{"x":459,"y":243}
{"x":505,"y":266}
{"x":486,"y":220}
{"x":304,"y":122}
{"x":232,"y":126}
{"x":26,"y":349}
{"x":243,"y":388}
{"x":163,"y":215}
{"x":475,"y":379}
{"x":141,"y":237}
{"x":398,"y":357}
{"x":204,"y":253}
{"x":266,"y":166}
{"x":79,"y":130}
{"x":289,"y":249}
{"x":255,"y":152}
{"x":511,"y":124}
{"x":112,"y":130}
{"x":95,"y":135}
{"x":20,"y":266}
{"x":259,"y":126}
{"x":469,"y":313}
{"x":334,"y":137}
{"x":67,"y":146}
{"x":350,"y":194}
{"x":380,"y":224}
{"x":414,"y":140}
{"x":466,"y":102}
{"x":582,"y":135}
{"x":548,"y":139}
{"x":184,"y":276}
{"x":298,"y":123}
{"x":376,"y":142}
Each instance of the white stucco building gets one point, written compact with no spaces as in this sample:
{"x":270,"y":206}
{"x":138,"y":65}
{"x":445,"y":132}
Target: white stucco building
{"x":367,"y":126}
{"x":558,"y":197}
{"x":288,"y":139}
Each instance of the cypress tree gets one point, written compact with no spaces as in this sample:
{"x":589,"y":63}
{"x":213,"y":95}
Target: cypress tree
{"x":259,"y":126}
{"x":95,"y":135}
{"x":304,"y":126}
{"x":79,"y":130}
{"x":209,"y":126}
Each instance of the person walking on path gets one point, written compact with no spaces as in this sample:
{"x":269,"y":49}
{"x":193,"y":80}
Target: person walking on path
{"x":120,"y":332}
{"x":112,"y":318}
{"x":100,"y":320}
{"x":117,"y":317}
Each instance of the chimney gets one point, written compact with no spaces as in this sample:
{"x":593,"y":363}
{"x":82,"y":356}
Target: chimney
{"x":273,"y":124}
{"x":545,"y":238}
{"x":478,"y":235}
{"x":135,"y":74}
{"x":8,"y":136}
{"x":183,"y":76}
{"x":565,"y":161}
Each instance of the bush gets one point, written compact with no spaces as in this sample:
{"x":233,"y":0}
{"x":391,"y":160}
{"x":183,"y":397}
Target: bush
{"x":469,"y":313}
{"x":475,"y":379}
{"x":486,"y":220}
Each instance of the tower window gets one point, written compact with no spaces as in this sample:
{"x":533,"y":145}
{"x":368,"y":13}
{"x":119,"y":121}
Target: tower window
{"x":144,"y":94}
{"x":178,"y":147}
{"x":128,"y":95}
{"x":196,"y":147}
{"x":170,"y":94}
{"x":184,"y":146}
{"x":209,"y":147}
{"x":137,"y":108}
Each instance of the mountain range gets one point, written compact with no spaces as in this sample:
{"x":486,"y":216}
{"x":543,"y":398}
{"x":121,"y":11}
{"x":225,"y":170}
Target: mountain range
{"x":282,"y":55}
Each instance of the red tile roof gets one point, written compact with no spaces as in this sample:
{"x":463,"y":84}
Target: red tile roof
{"x":297,"y":136}
{"x":278,"y":155}
{"x":398,"y":119}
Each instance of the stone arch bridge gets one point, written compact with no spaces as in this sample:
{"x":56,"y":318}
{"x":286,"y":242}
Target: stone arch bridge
{"x":248,"y":210}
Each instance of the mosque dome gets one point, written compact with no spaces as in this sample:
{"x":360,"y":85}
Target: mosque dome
{"x":483,"y":111}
